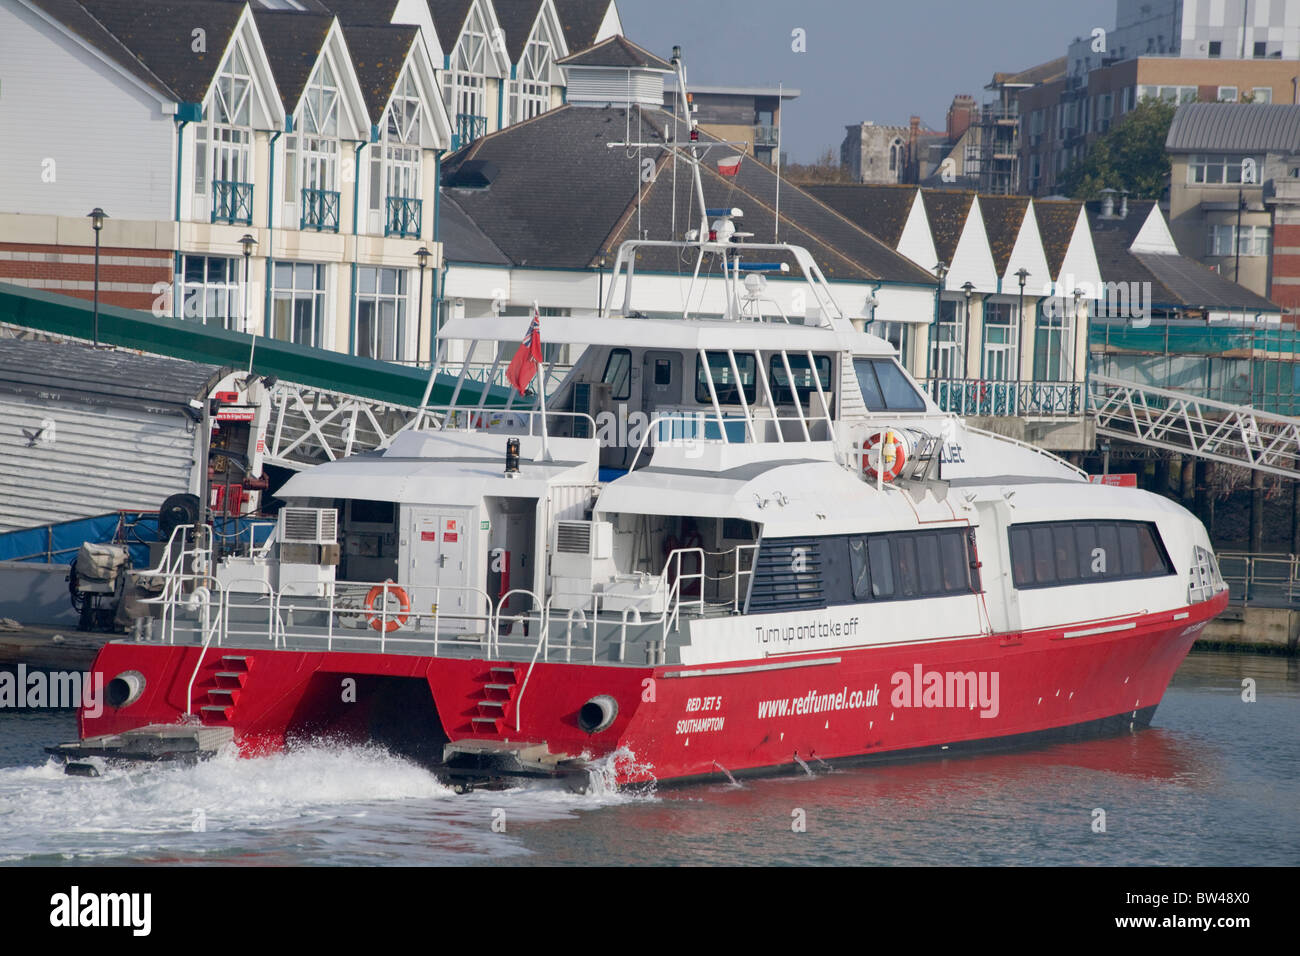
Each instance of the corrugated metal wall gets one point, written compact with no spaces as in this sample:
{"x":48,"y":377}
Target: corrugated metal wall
{"x":101,"y":460}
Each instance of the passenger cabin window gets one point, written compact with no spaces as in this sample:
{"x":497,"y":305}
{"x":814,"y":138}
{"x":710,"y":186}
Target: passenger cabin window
{"x":663,"y":371}
{"x":724,"y":379}
{"x":804,"y":385}
{"x":796,"y":573}
{"x":618,"y":374}
{"x":885,"y":387}
{"x":1058,"y":553}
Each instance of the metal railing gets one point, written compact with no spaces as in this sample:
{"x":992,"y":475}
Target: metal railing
{"x":1261,"y":580}
{"x":469,"y":127}
{"x":765,"y":135}
{"x":232,"y":202}
{"x":320,"y":210}
{"x":991,"y":398}
{"x":404,"y":217}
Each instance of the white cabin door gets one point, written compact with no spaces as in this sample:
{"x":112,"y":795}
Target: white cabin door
{"x":440,"y":568}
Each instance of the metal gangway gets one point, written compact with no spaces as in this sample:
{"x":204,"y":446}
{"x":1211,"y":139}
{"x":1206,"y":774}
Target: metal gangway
{"x":1202,"y":427}
{"x":309,"y":426}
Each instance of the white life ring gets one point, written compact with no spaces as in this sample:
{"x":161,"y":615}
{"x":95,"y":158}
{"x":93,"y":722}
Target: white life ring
{"x":894,"y":454}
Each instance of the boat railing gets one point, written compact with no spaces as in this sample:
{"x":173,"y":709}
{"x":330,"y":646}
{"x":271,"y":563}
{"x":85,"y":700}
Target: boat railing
{"x":514,"y":421}
{"x":695,"y":429}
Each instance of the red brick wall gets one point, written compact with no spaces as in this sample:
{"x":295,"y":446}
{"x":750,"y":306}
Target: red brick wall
{"x":126,"y":276}
{"x":1286,"y":266}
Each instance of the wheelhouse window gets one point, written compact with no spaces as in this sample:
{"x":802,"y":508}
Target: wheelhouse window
{"x":381,"y":314}
{"x":885,"y":387}
{"x":298,"y":302}
{"x":618,"y":374}
{"x":725,"y":385}
{"x":1059,"y":553}
{"x":805,"y":385}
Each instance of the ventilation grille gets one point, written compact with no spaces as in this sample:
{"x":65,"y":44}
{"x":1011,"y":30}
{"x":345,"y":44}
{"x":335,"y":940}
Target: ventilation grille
{"x":573,"y":537}
{"x":309,"y":525}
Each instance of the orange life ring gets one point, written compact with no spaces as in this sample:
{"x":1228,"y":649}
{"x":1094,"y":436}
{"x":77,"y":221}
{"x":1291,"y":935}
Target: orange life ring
{"x":377,"y":618}
{"x":900,"y":455}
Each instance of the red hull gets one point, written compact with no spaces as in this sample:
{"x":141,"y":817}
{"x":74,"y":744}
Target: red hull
{"x":685,"y":721}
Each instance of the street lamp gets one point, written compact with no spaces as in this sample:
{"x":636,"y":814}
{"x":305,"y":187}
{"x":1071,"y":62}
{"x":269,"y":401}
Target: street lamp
{"x":97,"y":217}
{"x":247,"y":242}
{"x":422,"y":254}
{"x":1022,"y":274}
{"x":1241,"y":206}
{"x":1074,"y":333}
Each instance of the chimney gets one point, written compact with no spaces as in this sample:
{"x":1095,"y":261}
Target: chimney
{"x":1123,"y":205}
{"x":1108,"y":203}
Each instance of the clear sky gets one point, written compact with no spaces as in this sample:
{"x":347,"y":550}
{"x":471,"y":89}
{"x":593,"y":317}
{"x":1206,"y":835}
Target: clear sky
{"x":864,"y":59}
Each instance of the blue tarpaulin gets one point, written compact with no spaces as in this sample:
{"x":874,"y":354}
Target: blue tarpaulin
{"x":59,"y":543}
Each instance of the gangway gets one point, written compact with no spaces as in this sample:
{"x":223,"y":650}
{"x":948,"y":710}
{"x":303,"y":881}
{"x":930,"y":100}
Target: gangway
{"x":1202,"y":427}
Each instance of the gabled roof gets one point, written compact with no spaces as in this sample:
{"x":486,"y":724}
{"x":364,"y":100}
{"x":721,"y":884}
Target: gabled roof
{"x":516,"y":18}
{"x":1057,"y":219}
{"x":528,"y":211}
{"x":77,"y":20}
{"x":448,"y":20}
{"x":881,"y":210}
{"x":371,"y":13}
{"x":947,"y":212}
{"x":1003,"y":217}
{"x":1235,"y":128}
{"x":293,"y":45}
{"x":616,"y":51}
{"x":378,"y":53}
{"x":462,"y":239}
{"x":581,"y":20}
{"x":160,"y":34}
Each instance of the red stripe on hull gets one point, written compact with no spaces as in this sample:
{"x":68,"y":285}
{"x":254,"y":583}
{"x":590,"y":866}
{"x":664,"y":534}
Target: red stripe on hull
{"x":682,"y":721}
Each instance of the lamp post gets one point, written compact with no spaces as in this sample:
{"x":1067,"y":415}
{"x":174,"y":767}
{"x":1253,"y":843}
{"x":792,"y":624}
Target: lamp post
{"x":1074,"y":348}
{"x":422,"y":254}
{"x":97,"y":217}
{"x":1022,"y":274}
{"x":1236,"y":238}
{"x":247,"y":242}
{"x":940,"y":271}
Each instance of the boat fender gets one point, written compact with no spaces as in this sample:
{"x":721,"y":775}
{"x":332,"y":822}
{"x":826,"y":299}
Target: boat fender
{"x":394,"y":621}
{"x":124,"y":689}
{"x":598,"y":713}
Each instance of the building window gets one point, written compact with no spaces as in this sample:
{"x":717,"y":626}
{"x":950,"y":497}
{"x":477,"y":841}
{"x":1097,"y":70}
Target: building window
{"x":381,"y":313}
{"x":1227,"y":94}
{"x":1213,"y":169}
{"x":394,"y":201}
{"x":311,"y":167}
{"x":1001,"y":342}
{"x":465,"y":83}
{"x":1261,"y":48}
{"x":1216,"y":47}
{"x":298,"y":302}
{"x":211,"y":291}
{"x":1261,"y":94}
{"x":897,"y":334}
{"x":533,"y":89}
{"x":222,"y":145}
{"x":1170,"y":94}
{"x":951,"y":345}
{"x":1053,"y":340}
{"x":1254,"y":240}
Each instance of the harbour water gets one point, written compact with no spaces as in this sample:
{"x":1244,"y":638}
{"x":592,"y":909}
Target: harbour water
{"x":1214,"y":781}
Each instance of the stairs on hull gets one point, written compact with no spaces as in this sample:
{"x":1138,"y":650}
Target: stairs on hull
{"x":492,"y":701}
{"x":218,"y":687}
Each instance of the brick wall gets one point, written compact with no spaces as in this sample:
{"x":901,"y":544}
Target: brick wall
{"x":1285,"y":290}
{"x":126,"y":276}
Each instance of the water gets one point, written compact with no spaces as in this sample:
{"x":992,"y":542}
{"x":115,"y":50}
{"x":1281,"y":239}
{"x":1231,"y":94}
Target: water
{"x":1215,"y":781}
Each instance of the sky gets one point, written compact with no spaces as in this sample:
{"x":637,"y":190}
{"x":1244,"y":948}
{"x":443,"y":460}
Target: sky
{"x":864,"y":59}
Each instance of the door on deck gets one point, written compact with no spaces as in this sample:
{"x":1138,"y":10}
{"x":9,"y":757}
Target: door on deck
{"x":440,"y":568}
{"x":661,"y":391}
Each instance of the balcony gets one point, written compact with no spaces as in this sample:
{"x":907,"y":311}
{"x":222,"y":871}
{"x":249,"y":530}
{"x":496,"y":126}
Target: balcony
{"x":403,"y":219}
{"x":765,"y":136}
{"x":232,"y":202}
{"x":320,"y":210}
{"x":966,"y":396}
{"x":469,"y":127}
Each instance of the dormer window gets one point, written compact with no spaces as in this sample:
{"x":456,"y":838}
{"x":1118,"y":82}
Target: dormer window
{"x":465,"y":85}
{"x":311,"y":177}
{"x":223,"y":144}
{"x":533,"y":94}
{"x":395,"y":164}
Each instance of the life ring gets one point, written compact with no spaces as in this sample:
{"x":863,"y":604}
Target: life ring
{"x":891,"y":438}
{"x":377,"y":617}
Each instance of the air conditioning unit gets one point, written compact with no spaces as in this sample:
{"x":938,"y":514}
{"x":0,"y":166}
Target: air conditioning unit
{"x":309,"y":525}
{"x":582,"y":561}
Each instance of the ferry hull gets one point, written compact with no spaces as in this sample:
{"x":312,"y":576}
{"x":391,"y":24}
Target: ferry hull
{"x":672,"y":721}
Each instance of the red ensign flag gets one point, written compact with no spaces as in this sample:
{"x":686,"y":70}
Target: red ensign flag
{"x":524,"y":365}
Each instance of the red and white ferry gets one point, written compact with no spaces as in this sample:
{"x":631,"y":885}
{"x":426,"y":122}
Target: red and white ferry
{"x":720,"y":546}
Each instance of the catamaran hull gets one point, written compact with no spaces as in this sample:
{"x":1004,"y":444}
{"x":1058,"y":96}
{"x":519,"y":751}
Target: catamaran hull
{"x":674,"y":722}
